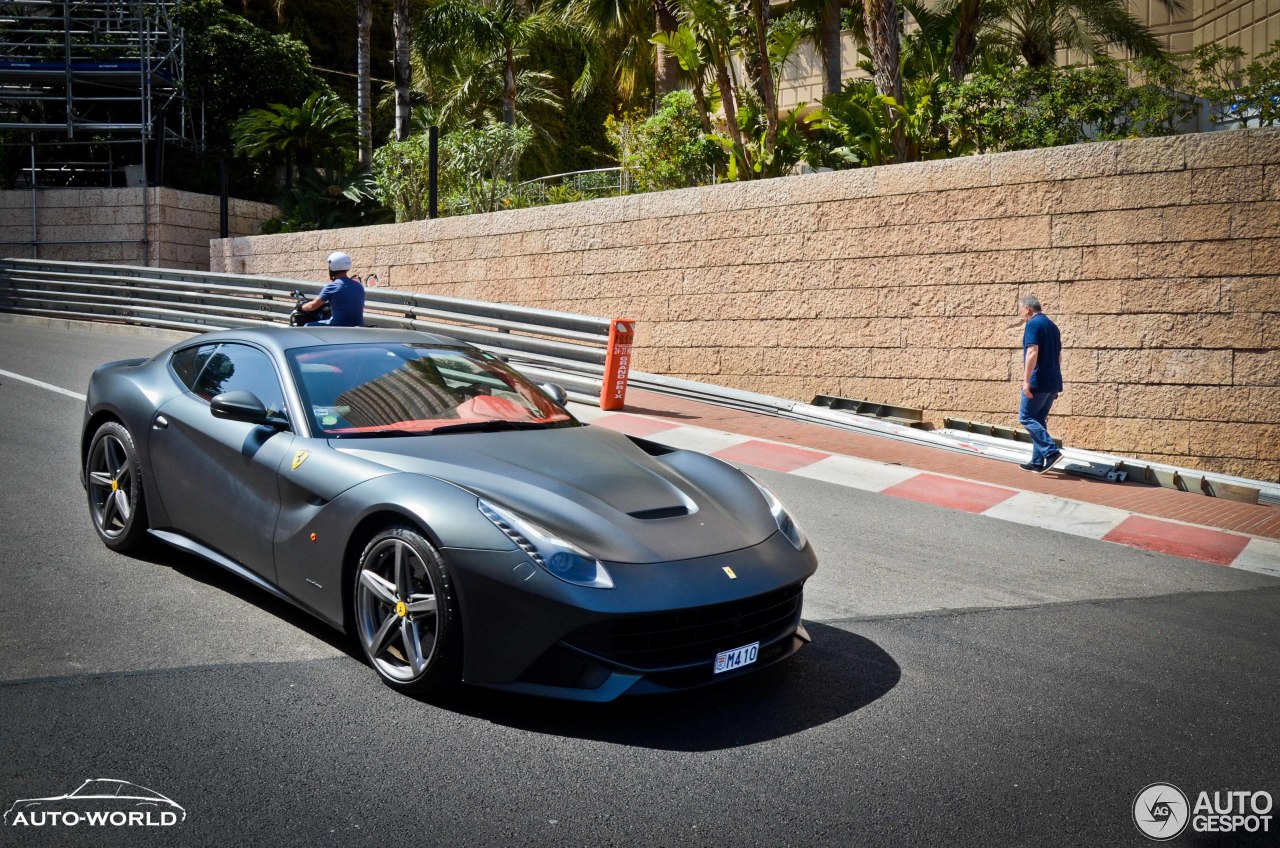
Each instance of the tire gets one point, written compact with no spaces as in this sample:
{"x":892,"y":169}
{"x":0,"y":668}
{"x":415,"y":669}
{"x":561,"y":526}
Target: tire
{"x":117,"y":502}
{"x":403,"y":597}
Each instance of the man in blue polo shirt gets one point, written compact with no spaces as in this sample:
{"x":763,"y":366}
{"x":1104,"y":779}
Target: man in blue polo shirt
{"x":1041,"y":382}
{"x":343,"y":294}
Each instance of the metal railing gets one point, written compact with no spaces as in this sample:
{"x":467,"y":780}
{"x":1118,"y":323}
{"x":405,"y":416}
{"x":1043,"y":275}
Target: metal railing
{"x":563,"y":347}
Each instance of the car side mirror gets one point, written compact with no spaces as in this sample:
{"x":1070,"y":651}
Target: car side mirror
{"x":555,"y":392}
{"x":244,"y":406}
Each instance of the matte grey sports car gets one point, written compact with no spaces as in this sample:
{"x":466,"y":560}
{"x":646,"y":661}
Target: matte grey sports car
{"x":454,"y":517}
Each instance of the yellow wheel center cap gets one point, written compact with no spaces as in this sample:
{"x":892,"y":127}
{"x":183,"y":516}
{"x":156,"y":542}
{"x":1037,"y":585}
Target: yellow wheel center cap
{"x":402,"y":609}
{"x":115,"y":485}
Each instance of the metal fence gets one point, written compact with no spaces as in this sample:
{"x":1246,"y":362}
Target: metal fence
{"x":563,"y":347}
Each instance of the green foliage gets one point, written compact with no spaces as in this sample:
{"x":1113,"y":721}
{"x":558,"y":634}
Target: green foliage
{"x":233,"y":66}
{"x":325,"y":199}
{"x":857,"y":124}
{"x":400,"y":173}
{"x":1236,"y":92}
{"x":477,"y":171}
{"x":480,"y":165}
{"x":1263,"y":92}
{"x":667,"y":149}
{"x":322,"y":130}
{"x":1024,"y":108}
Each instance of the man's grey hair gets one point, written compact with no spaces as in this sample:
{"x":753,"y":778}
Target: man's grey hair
{"x":1030,"y":301}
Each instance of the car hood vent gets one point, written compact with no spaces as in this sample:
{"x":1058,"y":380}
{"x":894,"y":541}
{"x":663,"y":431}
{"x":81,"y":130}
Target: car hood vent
{"x":661,"y":512}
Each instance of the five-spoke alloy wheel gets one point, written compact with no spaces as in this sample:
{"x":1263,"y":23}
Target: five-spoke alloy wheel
{"x":115,"y":488}
{"x":406,"y":614}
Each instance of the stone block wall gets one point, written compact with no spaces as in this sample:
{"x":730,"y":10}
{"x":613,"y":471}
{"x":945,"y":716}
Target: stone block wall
{"x":1159,"y":259}
{"x":108,"y":224}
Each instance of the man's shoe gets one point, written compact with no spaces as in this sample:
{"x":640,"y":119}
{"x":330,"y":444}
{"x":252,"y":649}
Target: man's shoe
{"x":1031,"y":466}
{"x":1050,"y":461}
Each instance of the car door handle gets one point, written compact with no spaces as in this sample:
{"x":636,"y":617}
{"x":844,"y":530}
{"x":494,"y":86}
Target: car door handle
{"x":160,"y":423}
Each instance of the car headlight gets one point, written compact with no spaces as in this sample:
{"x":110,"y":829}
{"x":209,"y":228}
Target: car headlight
{"x":557,"y":557}
{"x":786,"y":523}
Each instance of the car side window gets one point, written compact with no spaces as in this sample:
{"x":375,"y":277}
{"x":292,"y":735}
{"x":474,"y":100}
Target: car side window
{"x":189,"y":362}
{"x":237,"y":367}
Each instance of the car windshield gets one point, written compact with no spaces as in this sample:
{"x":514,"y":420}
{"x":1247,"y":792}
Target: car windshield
{"x":398,"y":389}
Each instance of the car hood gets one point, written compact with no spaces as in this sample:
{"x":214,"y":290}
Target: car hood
{"x":594,"y":487}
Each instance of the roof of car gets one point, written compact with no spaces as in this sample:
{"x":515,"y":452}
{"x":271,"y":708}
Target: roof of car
{"x":280,"y":339}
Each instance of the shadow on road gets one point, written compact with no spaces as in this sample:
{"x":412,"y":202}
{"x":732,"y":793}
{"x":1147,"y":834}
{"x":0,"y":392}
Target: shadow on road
{"x":195,"y":568}
{"x":840,"y":673}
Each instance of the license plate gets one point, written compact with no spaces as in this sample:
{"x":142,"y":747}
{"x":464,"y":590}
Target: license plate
{"x":737,"y":658}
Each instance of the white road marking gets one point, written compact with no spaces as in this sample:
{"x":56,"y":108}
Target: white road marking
{"x":1066,"y":516}
{"x":49,"y":386}
{"x":1260,"y":555}
{"x":856,"y":473}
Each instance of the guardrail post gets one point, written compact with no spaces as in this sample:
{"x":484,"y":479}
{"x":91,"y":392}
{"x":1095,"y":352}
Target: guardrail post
{"x":617,"y":363}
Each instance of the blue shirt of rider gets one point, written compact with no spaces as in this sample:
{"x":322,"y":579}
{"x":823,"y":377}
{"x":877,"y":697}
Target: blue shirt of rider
{"x":346,"y":297}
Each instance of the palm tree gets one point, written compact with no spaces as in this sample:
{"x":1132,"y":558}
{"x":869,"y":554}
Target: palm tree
{"x":499,"y":31}
{"x":826,"y":36}
{"x":1040,"y":28}
{"x":318,"y":129}
{"x":364,"y":115}
{"x":760,"y":20}
{"x":884,"y":37}
{"x":624,"y":29}
{"x":400,"y":26}
{"x":685,"y":48}
{"x":715,"y":25}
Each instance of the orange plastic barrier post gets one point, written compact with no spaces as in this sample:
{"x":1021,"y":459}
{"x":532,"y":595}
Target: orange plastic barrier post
{"x":617,"y":363}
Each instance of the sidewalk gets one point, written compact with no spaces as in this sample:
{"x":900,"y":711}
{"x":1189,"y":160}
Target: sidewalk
{"x":1183,"y":524}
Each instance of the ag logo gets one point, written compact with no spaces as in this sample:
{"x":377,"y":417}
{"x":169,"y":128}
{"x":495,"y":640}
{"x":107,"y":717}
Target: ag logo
{"x":1160,"y":811}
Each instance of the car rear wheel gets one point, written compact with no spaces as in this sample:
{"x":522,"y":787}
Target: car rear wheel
{"x":406,"y":614}
{"x":116,"y":500}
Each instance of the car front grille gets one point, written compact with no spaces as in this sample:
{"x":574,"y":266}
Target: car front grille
{"x":670,"y":640}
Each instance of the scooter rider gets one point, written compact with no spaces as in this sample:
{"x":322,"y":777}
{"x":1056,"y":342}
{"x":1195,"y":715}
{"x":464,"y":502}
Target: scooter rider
{"x":343,"y":294}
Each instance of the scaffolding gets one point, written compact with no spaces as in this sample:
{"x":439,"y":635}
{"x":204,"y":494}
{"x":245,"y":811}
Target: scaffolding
{"x":87,"y":87}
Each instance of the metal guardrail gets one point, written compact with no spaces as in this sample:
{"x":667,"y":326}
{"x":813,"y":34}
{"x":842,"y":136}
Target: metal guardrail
{"x":565,"y":347}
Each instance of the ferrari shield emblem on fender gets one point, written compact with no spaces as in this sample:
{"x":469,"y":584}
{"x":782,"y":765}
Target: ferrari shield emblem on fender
{"x":299,"y":458}
{"x":729,"y":571}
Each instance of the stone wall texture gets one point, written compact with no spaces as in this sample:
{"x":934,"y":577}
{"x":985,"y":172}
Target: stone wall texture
{"x":1159,"y":259}
{"x":109,"y":224}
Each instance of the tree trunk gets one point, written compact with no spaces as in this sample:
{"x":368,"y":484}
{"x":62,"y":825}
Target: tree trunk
{"x":364,"y":115}
{"x":509,"y":89}
{"x":882,"y":32}
{"x":760,"y":12}
{"x":829,"y":25}
{"x":400,"y":25}
{"x":731,"y":115}
{"x":666,"y":68}
{"x":700,"y":102}
{"x":966,"y":40}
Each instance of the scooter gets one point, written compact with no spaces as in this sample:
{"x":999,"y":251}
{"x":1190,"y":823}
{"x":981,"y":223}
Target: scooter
{"x":300,"y":317}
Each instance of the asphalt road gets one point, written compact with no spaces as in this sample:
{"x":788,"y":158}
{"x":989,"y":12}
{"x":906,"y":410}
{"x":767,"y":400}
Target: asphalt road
{"x":971,"y":682}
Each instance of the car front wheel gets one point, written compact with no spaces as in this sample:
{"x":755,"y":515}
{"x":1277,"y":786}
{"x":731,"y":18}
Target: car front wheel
{"x":406,"y":615}
{"x":116,"y":500}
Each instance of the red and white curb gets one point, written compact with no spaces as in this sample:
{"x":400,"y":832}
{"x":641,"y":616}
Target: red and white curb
{"x":1063,"y":515}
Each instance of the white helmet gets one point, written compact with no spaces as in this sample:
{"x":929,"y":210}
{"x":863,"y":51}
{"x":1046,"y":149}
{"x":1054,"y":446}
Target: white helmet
{"x":339,"y":261}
